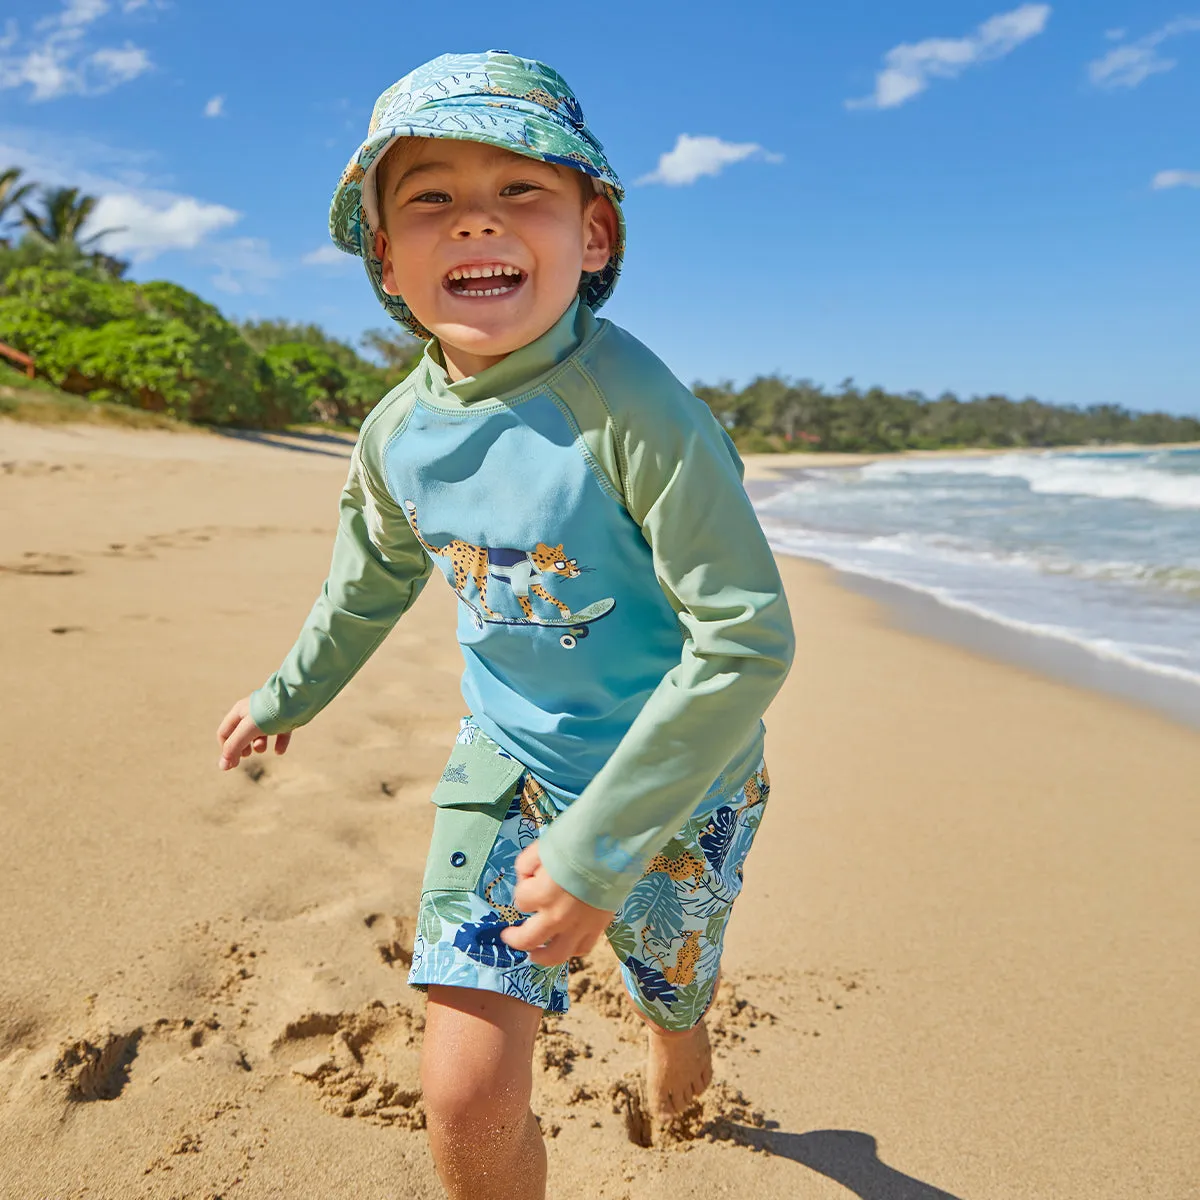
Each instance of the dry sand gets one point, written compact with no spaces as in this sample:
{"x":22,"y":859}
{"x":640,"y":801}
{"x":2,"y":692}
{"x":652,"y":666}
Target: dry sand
{"x":965,"y":963}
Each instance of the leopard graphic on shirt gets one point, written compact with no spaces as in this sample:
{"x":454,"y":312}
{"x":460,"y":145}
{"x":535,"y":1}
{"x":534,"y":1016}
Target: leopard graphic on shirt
{"x":517,"y":568}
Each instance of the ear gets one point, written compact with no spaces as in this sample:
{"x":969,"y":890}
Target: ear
{"x":601,"y":227}
{"x":381,"y":252}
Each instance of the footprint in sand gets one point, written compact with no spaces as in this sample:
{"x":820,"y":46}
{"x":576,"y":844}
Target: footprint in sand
{"x":104,"y":1062}
{"x":393,"y":938}
{"x":364,"y":1064}
{"x":35,"y":563}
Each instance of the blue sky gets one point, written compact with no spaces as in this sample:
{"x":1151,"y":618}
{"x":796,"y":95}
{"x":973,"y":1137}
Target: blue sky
{"x":990,"y":196}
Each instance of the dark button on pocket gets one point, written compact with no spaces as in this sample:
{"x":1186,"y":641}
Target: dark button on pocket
{"x":457,"y":858}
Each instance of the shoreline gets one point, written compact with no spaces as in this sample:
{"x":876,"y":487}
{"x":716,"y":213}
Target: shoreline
{"x":1052,"y":655}
{"x":1046,"y":655}
{"x":766,"y":468}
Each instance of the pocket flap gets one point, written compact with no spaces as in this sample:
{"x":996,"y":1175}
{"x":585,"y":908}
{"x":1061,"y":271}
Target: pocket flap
{"x":476,"y":776}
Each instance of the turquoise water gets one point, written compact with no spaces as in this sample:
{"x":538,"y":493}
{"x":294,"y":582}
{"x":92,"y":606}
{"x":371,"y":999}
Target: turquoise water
{"x":1098,"y":549}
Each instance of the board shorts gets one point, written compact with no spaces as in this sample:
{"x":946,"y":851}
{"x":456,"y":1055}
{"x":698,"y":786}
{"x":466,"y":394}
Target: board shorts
{"x":667,"y":934}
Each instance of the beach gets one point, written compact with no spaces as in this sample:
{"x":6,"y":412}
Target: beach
{"x":964,"y":965}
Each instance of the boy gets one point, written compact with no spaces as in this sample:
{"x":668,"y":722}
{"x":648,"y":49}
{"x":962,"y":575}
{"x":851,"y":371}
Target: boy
{"x":621,"y":617}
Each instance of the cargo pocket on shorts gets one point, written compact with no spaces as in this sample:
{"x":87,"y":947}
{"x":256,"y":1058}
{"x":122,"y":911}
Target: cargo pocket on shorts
{"x":472,"y":799}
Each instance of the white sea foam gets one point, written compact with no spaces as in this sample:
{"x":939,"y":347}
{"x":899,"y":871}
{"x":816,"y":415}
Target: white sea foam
{"x":1101,"y":551}
{"x":987,"y":599}
{"x":1106,"y":477}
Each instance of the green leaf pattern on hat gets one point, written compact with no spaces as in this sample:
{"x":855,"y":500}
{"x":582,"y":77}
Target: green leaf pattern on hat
{"x":496,"y":98}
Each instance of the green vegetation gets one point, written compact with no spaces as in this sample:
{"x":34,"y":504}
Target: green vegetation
{"x":42,"y":403}
{"x":774,"y":413}
{"x":158,"y":350}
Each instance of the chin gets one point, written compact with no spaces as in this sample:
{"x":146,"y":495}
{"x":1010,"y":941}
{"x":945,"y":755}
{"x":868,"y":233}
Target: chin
{"x":485,"y":342}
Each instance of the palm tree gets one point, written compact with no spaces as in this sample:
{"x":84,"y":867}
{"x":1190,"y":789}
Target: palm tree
{"x":63,"y":216}
{"x":10,"y":194}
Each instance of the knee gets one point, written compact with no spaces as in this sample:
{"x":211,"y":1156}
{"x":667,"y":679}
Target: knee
{"x":475,"y":1095}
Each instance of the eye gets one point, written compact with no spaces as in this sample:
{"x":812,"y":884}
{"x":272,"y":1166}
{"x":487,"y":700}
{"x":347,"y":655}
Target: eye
{"x":519,"y":188}
{"x":429,"y":198}
{"x":560,"y":565}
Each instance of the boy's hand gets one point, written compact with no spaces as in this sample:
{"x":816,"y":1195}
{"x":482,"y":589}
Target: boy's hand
{"x":238,"y":735}
{"x":561,"y":926}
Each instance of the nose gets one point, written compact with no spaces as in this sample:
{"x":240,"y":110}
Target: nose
{"x":477,"y":221}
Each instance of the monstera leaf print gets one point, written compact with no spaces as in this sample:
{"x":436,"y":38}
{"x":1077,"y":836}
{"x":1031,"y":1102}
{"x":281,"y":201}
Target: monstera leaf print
{"x":481,"y":941}
{"x":716,"y":837}
{"x":654,"y":983}
{"x":654,"y":905}
{"x":622,"y":939}
{"x":452,"y":907}
{"x":690,"y":1004}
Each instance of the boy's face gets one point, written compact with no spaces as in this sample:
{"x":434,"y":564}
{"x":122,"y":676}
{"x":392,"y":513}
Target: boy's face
{"x":451,"y":209}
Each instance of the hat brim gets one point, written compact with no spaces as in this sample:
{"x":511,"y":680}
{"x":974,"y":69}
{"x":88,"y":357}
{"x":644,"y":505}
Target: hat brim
{"x":507,"y":124}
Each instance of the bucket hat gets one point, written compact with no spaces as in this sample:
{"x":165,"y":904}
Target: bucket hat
{"x":517,"y":104}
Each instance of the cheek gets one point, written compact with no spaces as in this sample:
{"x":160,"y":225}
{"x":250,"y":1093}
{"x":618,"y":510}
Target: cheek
{"x":410,"y":255}
{"x":557,"y":240}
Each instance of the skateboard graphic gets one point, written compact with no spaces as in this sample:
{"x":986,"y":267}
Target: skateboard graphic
{"x":576,"y":624}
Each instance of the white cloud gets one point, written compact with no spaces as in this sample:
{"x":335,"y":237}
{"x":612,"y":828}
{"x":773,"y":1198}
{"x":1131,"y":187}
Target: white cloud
{"x":56,"y":62}
{"x":909,"y":67}
{"x":148,"y":226}
{"x":152,"y":220}
{"x":1129,"y":65}
{"x":122,"y":65}
{"x":215,"y":107}
{"x":326,"y":256}
{"x":245,"y":265}
{"x":76,"y":13}
{"x":1174,"y":179}
{"x":1115,"y":35}
{"x":693,"y":157}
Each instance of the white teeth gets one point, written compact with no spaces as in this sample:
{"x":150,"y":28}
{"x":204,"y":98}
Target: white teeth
{"x":498,"y":271}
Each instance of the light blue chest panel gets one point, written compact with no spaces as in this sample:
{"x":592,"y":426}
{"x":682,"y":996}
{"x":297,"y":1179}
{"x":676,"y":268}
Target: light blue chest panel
{"x":563,"y":627}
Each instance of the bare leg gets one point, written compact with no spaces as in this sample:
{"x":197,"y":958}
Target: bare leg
{"x":477,"y":1077}
{"x":678,"y":1066}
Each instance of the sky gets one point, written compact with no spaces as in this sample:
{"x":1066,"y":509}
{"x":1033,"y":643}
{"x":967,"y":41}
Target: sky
{"x":942,"y":194}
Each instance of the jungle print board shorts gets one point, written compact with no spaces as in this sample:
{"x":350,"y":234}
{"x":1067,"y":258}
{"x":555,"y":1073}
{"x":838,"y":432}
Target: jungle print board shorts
{"x":667,"y":935}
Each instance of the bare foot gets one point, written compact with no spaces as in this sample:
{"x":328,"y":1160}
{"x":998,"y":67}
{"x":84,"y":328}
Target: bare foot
{"x":678,"y":1069}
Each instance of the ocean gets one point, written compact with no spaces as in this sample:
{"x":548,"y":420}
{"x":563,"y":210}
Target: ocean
{"x":1097,"y":549}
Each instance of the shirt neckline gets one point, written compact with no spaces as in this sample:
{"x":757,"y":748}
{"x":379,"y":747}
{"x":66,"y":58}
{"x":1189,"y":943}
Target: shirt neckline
{"x":513,"y":374}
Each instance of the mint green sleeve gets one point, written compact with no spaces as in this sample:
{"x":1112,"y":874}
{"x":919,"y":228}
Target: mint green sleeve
{"x":682,"y":482}
{"x":377,"y":572}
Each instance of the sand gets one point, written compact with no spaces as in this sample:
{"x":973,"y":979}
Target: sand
{"x":965,"y":963}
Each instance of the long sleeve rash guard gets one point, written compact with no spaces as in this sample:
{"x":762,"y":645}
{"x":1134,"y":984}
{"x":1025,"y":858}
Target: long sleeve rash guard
{"x":621,"y":616}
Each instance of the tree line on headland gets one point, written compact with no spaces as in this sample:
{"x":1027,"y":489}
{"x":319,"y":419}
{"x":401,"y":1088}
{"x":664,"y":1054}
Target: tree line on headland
{"x":158,"y":347}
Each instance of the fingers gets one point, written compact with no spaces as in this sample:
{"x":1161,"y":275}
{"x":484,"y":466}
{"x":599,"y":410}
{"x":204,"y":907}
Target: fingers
{"x":237,"y":744}
{"x":531,"y":894}
{"x":552,"y":955}
{"x":282,"y":741}
{"x":528,"y":861}
{"x":530,"y":934}
{"x":232,"y":718}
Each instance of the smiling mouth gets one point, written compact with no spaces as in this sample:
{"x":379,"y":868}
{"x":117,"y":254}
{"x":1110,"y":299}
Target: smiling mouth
{"x":487,"y":279}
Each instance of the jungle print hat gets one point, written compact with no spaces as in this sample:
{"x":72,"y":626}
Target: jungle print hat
{"x":497,"y":98}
